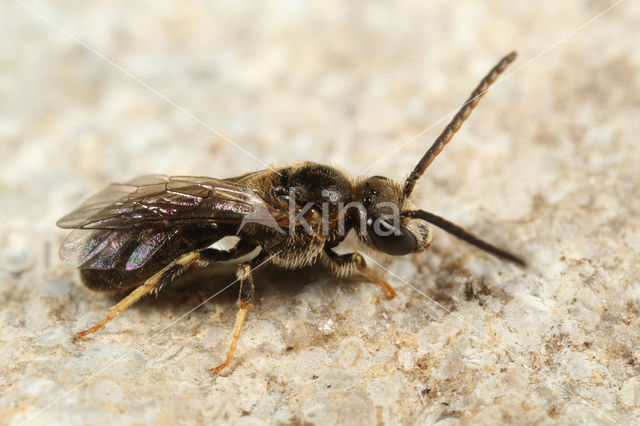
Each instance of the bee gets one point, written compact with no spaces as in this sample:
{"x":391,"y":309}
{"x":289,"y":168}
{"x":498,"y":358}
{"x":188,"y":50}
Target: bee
{"x":142,"y":234}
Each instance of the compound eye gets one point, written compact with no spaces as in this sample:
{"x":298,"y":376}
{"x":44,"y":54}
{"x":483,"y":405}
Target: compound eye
{"x":391,"y":239}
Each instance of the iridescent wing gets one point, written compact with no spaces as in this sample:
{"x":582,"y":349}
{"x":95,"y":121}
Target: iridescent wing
{"x":105,"y":249}
{"x":125,"y":225}
{"x":162,"y":201}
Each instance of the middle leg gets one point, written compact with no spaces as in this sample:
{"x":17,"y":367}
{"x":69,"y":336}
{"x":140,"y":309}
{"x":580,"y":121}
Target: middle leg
{"x":244,"y":304}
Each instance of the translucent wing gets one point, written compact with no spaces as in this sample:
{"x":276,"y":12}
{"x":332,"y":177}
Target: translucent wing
{"x":106,"y":249}
{"x":129,"y":250}
{"x":162,"y":201}
{"x":124,"y":226}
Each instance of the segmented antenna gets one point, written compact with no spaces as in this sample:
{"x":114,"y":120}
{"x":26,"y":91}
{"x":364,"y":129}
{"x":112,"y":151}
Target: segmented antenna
{"x":455,"y":124}
{"x":454,"y":229}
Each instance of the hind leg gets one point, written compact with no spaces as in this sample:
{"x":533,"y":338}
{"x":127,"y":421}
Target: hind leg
{"x":156,"y":281}
{"x":150,"y":285}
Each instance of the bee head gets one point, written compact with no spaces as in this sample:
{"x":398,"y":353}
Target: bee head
{"x":382,"y":225}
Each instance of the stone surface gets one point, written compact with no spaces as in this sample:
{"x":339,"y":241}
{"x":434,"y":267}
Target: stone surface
{"x":548,"y":166}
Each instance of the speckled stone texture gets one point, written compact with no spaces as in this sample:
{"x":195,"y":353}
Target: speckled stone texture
{"x":548,"y":166}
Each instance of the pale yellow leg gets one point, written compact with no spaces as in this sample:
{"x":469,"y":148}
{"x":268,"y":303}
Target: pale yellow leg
{"x":364,"y":269}
{"x":344,"y":264}
{"x":148,"y":286}
{"x":242,"y":312}
{"x":244,"y":302}
{"x":382,"y":283}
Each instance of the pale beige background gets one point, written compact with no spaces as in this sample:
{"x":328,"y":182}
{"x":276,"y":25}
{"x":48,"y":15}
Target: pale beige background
{"x":548,"y":166}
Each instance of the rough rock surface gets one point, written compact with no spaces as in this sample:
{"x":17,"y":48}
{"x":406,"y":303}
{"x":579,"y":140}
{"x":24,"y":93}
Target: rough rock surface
{"x":548,"y":166}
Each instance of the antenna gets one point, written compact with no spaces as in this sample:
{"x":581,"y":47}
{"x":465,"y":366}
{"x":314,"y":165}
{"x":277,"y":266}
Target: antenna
{"x":454,"y":229}
{"x":455,"y":124}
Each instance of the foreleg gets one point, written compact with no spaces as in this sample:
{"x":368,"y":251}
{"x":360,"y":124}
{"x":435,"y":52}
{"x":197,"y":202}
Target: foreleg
{"x":346,"y":264}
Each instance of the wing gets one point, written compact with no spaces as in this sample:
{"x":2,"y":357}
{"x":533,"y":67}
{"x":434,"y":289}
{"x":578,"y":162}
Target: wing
{"x":156,"y":201}
{"x":105,"y":249}
{"x":124,"y":226}
{"x":130,"y":250}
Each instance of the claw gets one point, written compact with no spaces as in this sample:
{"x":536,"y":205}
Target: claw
{"x":216,"y":370}
{"x":82,"y":334}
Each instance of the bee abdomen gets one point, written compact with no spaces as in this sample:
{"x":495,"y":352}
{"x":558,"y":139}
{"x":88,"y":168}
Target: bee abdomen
{"x":109,"y":280}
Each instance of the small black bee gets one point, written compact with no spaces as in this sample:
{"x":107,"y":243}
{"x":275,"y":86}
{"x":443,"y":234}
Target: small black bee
{"x":144,"y":233}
